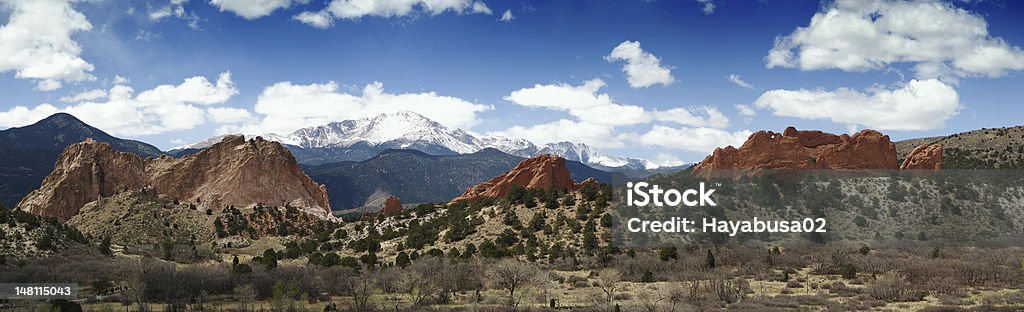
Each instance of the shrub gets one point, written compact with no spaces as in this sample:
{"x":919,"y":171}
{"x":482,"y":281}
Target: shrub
{"x":849,"y":271}
{"x":894,"y":289}
{"x":667,"y":253}
{"x":648,"y":277}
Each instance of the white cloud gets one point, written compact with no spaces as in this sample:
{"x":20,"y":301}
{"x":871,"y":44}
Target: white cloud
{"x":699,"y":139}
{"x":918,"y":105}
{"x":285,"y":107}
{"x":162,"y":109}
{"x":598,"y":116}
{"x":596,"y":135}
{"x":746,"y":110}
{"x":22,"y":116}
{"x":708,"y":6}
{"x":356,"y":9}
{"x":120,"y":80}
{"x":667,"y":160}
{"x":687,"y":116}
{"x":939,"y":39}
{"x":175,"y":8}
{"x":252,"y":9}
{"x":87,"y":95}
{"x":507,"y":16}
{"x":36,"y":42}
{"x":228,"y":115}
{"x":197,"y":90}
{"x":736,"y":79}
{"x":588,"y":105}
{"x":319,"y":19}
{"x":48,"y":85}
{"x":642,"y":68}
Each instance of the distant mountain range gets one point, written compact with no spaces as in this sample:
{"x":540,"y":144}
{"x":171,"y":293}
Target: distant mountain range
{"x":361,"y":139}
{"x":27,"y":154}
{"x":417,"y":177}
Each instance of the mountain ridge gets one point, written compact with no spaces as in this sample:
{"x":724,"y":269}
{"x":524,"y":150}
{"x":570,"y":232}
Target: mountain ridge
{"x":28,"y":154}
{"x":354,"y":139}
{"x":436,"y":178}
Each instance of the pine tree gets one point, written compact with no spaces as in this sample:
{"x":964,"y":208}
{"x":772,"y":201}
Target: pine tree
{"x":709,"y":260}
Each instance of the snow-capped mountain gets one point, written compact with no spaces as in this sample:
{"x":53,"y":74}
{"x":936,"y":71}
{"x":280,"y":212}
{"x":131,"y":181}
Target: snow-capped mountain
{"x":581,"y":152}
{"x":401,"y":130}
{"x":408,"y":130}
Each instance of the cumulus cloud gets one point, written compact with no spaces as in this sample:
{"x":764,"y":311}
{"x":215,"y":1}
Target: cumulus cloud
{"x":507,"y":16}
{"x":666,"y":160}
{"x":87,"y":95}
{"x":228,"y":115}
{"x":937,"y":38}
{"x":197,"y":90}
{"x":598,"y":117}
{"x":162,"y":109}
{"x":318,"y":19}
{"x":642,"y":68}
{"x":746,"y":110}
{"x":737,"y":80}
{"x":699,"y":139}
{"x":355,"y":9}
{"x":252,"y":9}
{"x":285,"y":107}
{"x":36,"y":42}
{"x":586,"y":103}
{"x":917,"y":105}
{"x":22,"y":116}
{"x":596,"y":135}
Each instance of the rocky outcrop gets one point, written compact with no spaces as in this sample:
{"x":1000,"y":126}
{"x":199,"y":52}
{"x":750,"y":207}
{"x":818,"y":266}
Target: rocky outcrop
{"x":543,"y":171}
{"x":392,"y":206}
{"x":588,"y":181}
{"x":795,"y":149}
{"x":85,"y":172}
{"x":236,"y":172}
{"x":924,"y":157}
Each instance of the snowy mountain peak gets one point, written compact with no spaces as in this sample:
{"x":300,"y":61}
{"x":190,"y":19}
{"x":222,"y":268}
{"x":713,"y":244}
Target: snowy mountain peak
{"x":397,"y":130}
{"x":409,"y":130}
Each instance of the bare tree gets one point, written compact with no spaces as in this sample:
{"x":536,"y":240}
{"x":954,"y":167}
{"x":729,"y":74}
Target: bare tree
{"x":137,"y":287}
{"x":421,"y":279}
{"x":513,"y":275}
{"x":650,"y":300}
{"x":608,"y":279}
{"x":245,"y":294}
{"x":362,"y":289}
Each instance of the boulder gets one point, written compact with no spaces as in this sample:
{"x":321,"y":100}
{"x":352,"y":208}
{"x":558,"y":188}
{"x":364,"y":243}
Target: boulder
{"x":924,"y":157}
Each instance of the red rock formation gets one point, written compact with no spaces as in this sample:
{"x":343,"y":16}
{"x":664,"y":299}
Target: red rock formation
{"x":589,"y":180}
{"x":392,"y":206}
{"x":793,"y":149}
{"x":233,"y":172}
{"x":924,"y":157}
{"x":85,"y":172}
{"x":543,"y":171}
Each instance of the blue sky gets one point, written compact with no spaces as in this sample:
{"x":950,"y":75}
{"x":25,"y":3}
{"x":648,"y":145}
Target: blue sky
{"x":173,"y":72}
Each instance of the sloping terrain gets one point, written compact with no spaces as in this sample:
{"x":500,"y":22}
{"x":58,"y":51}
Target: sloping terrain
{"x":235,"y":171}
{"x":27,"y":154}
{"x":417,"y":177}
{"x":984,"y":148}
{"x":24,"y":235}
